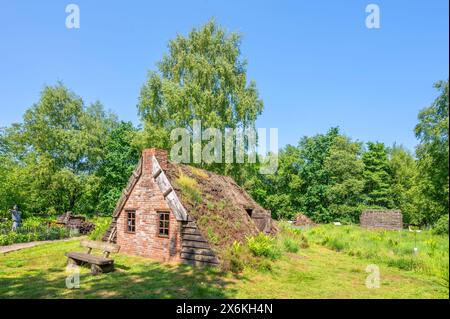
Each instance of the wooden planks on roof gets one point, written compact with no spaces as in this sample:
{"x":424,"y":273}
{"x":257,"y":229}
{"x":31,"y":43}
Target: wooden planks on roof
{"x":166,"y":188}
{"x":127,"y":191}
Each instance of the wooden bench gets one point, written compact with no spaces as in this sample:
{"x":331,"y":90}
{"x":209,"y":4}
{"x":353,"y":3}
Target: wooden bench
{"x":99,"y":264}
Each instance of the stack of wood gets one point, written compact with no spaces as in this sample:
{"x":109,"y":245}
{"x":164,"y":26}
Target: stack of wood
{"x":383,"y":219}
{"x":302,"y":220}
{"x":75,"y":222}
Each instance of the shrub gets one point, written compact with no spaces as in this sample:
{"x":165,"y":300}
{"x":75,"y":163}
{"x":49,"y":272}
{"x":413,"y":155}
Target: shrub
{"x":32,"y":229}
{"x":263,"y":246}
{"x":290,"y":245}
{"x":234,"y":258}
{"x":5,"y":227}
{"x":294,"y":234}
{"x":333,"y":243}
{"x":441,"y":226}
{"x":240,"y":256}
{"x":101,"y":226}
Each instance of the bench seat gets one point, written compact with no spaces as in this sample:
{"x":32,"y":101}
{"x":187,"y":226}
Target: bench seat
{"x":99,"y":264}
{"x":88,"y":258}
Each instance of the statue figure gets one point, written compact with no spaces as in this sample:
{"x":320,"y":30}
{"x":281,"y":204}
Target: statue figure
{"x":16,"y":217}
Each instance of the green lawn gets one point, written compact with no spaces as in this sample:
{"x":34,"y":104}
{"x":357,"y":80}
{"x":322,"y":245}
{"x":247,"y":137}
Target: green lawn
{"x":314,"y":272}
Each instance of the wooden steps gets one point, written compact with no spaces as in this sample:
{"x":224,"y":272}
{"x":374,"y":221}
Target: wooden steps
{"x":198,"y":251}
{"x":195,"y":249}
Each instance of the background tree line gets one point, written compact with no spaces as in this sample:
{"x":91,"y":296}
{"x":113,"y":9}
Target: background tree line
{"x":66,"y":155}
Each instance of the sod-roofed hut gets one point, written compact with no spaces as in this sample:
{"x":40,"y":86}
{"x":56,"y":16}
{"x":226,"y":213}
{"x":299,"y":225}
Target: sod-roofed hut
{"x":175,"y":212}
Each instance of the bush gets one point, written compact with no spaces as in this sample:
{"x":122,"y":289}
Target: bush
{"x":101,"y":226}
{"x":234,"y":258}
{"x":441,"y":226}
{"x":333,"y":243}
{"x":263,"y":246}
{"x":290,"y":245}
{"x":291,"y":237}
{"x":32,"y":229}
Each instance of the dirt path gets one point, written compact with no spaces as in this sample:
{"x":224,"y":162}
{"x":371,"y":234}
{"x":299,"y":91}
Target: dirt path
{"x":20,"y":246}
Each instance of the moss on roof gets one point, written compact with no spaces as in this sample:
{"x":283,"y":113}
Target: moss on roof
{"x":218,"y":206}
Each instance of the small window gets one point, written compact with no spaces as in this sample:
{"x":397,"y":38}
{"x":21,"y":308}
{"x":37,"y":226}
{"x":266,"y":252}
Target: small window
{"x":131,"y":221}
{"x":164,"y":218}
{"x":249,"y":211}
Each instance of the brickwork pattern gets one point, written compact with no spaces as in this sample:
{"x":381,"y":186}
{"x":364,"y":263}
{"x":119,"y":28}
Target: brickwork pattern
{"x":147,"y":200}
{"x":382,"y":219}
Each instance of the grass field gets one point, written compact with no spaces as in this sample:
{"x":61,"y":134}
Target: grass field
{"x":319,"y":271}
{"x":390,"y":248}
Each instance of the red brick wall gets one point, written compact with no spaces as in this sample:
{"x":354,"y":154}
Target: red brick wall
{"x":146,"y":199}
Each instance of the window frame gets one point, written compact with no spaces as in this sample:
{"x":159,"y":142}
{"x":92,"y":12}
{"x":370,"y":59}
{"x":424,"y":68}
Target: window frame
{"x":163,"y":228}
{"x":128,"y":212}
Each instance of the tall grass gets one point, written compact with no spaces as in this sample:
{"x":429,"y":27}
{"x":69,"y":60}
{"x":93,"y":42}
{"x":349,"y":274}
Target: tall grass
{"x":261,"y":251}
{"x":263,"y":246}
{"x":392,"y":248}
{"x":189,"y":188}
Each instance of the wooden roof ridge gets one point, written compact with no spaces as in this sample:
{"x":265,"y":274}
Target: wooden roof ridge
{"x":165,"y":186}
{"x":127,"y":190}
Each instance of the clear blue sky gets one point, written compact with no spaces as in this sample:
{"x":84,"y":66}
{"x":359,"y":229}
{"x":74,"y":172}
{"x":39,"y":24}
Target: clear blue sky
{"x":315,"y":63}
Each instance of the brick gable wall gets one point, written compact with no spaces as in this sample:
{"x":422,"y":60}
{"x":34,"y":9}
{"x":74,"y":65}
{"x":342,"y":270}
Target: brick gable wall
{"x":146,"y":199}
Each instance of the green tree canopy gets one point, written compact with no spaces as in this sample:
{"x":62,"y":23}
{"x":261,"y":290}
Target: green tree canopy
{"x":403,"y":170}
{"x":50,"y":157}
{"x":377,"y":176}
{"x":202,"y":77}
{"x":116,"y":168}
{"x":346,"y":184}
{"x":433,"y":157}
{"x":61,"y":127}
